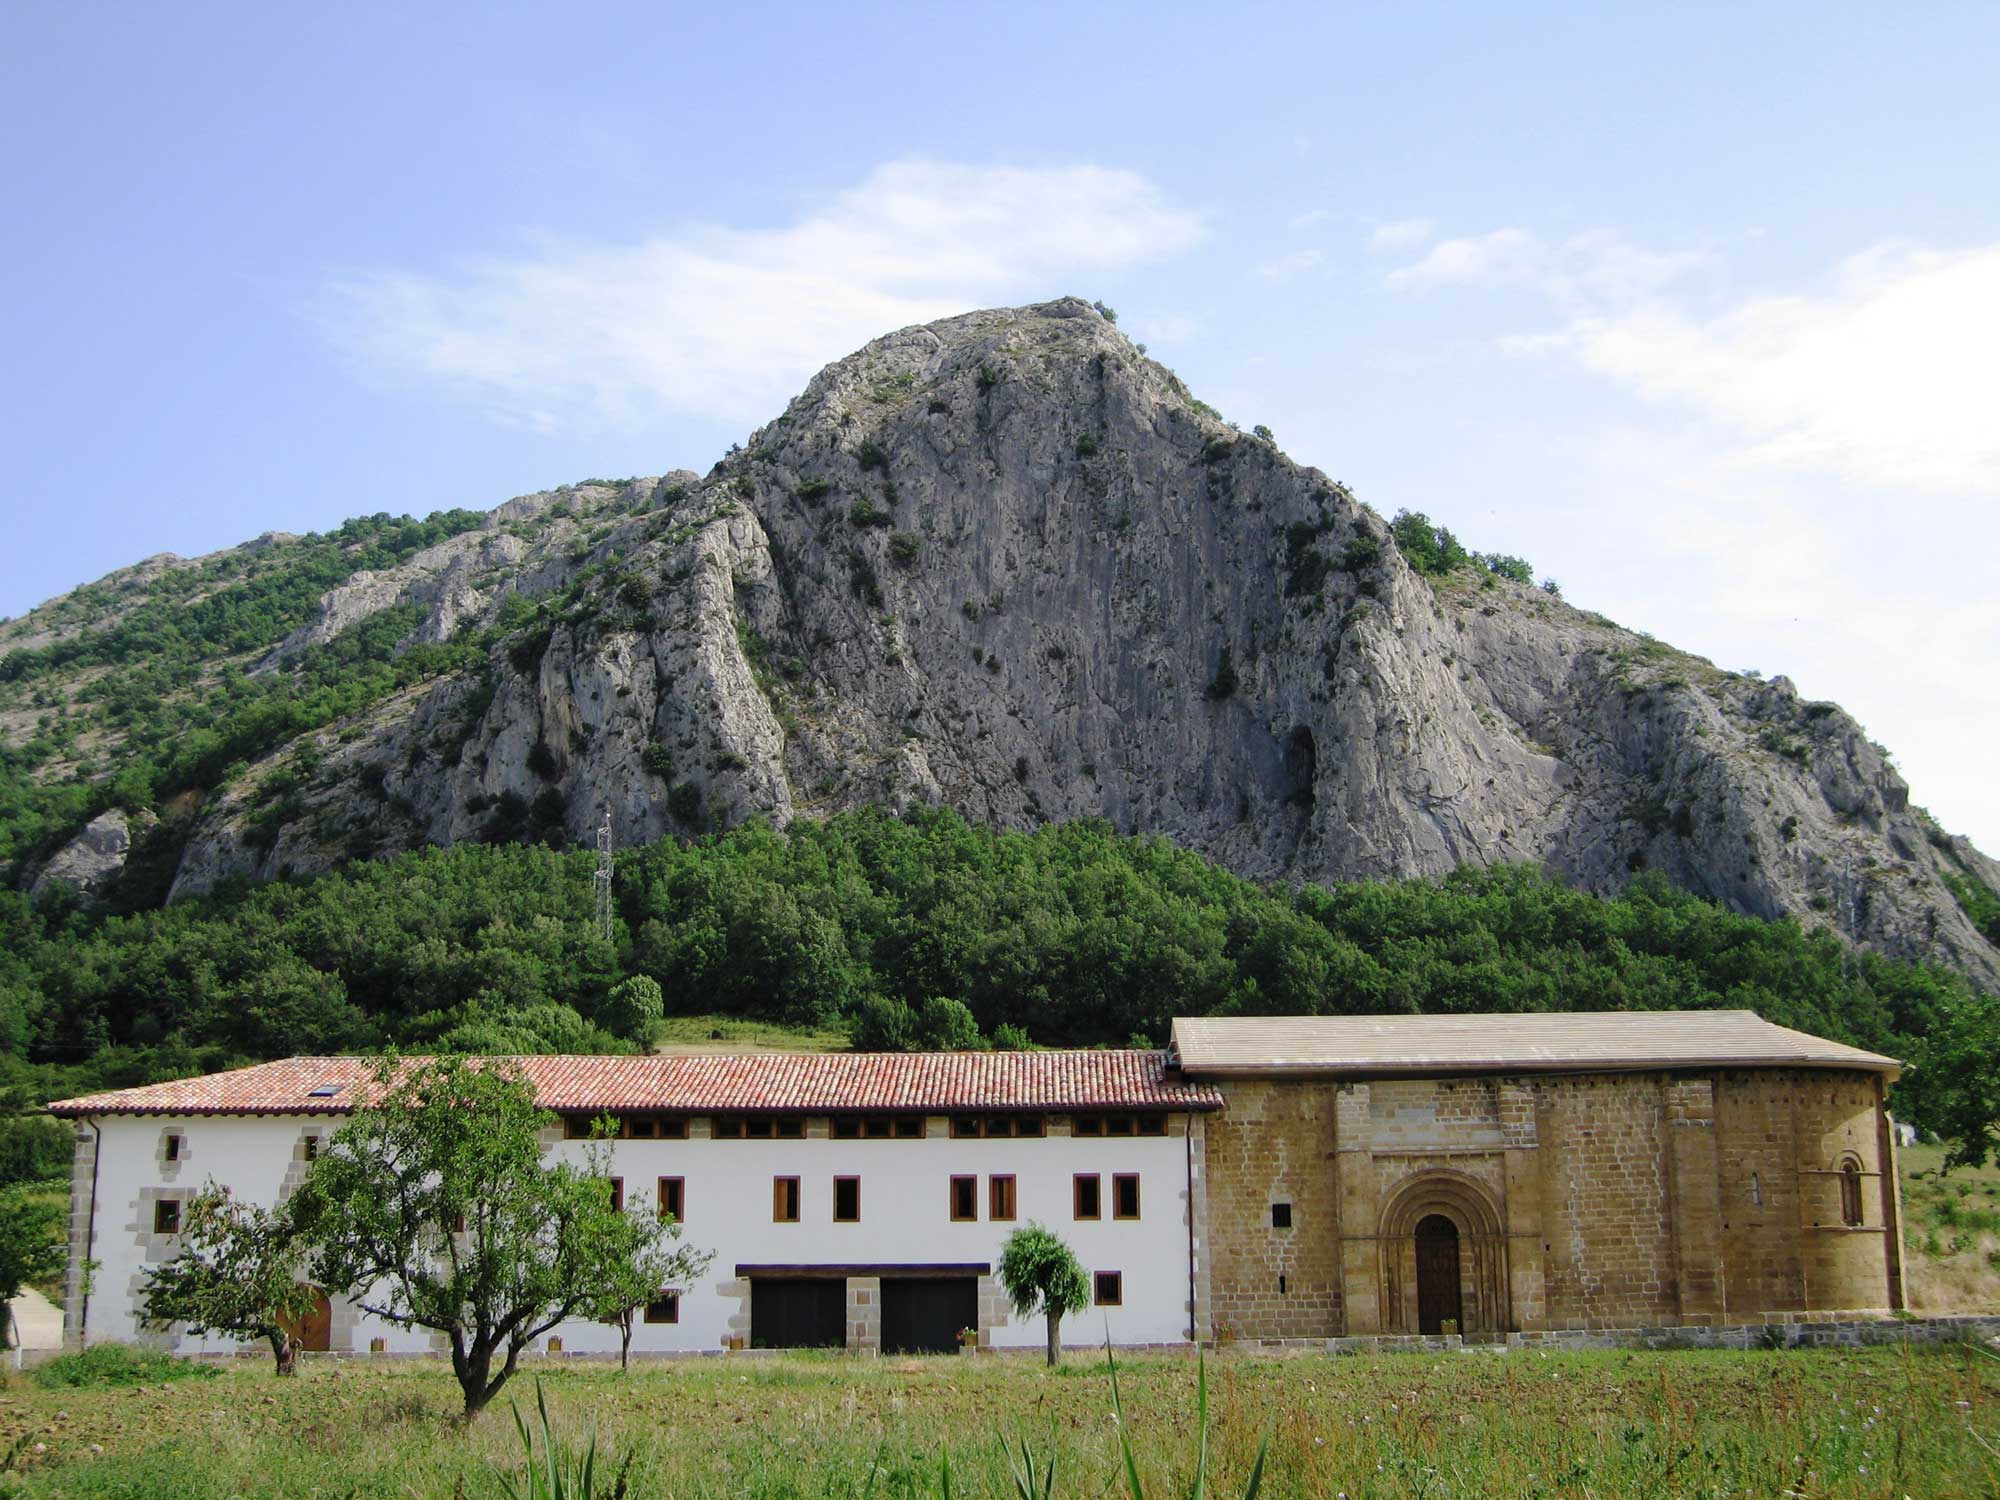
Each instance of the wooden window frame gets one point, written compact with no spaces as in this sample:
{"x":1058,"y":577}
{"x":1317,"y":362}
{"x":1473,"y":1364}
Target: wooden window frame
{"x":309,"y":1147}
{"x":577,"y":1127}
{"x":908,"y":1128}
{"x":617,"y":1194}
{"x":838,"y":1216}
{"x":173,"y":1145}
{"x":166,"y":1216}
{"x":669,"y":1302}
{"x":673,"y":1198}
{"x":969,"y":1184}
{"x":673,"y":1128}
{"x":1118,"y":1182}
{"x":778,"y":1196}
{"x":1099,"y":1280}
{"x":1096,"y":1182}
{"x":999,"y":1187}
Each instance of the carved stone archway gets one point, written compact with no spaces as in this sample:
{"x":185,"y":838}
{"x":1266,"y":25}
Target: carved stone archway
{"x":1482,"y":1243}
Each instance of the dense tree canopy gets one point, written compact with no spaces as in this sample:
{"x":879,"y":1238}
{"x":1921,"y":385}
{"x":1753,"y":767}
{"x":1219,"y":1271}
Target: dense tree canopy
{"x":917,"y":931}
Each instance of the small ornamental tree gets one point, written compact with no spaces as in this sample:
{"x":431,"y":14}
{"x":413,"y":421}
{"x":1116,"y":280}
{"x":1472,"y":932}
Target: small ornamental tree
{"x":29,"y":1247}
{"x":661,"y":1266}
{"x":1041,"y":1276}
{"x":435,"y":1207}
{"x":239,"y":1272}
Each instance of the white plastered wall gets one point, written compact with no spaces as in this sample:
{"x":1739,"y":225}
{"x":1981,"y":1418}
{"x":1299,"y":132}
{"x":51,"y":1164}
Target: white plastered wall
{"x":905,"y":1220}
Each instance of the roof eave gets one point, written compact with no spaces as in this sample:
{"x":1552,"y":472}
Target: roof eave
{"x":1884,"y":1065}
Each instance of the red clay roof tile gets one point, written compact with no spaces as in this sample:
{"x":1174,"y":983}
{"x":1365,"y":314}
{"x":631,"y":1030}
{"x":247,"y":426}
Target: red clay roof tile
{"x":818,"y":1083}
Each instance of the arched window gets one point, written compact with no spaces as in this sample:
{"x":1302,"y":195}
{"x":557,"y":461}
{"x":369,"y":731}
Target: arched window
{"x":1850,"y":1191}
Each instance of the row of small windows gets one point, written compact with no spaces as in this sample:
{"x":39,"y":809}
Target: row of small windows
{"x":852,"y":1127}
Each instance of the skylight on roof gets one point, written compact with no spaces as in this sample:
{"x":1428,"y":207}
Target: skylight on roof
{"x":324,"y":1091}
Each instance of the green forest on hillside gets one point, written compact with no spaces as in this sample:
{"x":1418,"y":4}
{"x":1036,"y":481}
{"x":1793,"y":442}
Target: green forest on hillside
{"x":922,"y":930}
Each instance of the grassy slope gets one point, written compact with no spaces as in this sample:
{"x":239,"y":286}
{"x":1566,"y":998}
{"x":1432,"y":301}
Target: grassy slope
{"x":697,"y":1035}
{"x":1951,"y":1232}
{"x":1825,"y":1423}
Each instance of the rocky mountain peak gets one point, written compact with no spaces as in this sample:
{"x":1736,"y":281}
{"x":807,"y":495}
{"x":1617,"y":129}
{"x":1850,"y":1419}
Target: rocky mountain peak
{"x":1006,"y":562}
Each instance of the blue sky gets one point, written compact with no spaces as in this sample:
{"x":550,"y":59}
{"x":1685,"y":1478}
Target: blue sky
{"x":1696,"y":308}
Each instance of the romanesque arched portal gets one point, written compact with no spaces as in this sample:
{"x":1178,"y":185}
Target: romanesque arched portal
{"x":1437,"y":1225}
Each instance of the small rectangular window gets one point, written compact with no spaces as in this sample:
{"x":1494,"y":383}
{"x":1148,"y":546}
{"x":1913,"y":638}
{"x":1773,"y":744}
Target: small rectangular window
{"x":846,"y":1128}
{"x":1000,"y":1197}
{"x":665,"y":1308}
{"x":673,"y":1198}
{"x":618,"y":1195}
{"x":1109,"y":1288}
{"x":310,"y":1145}
{"x":1125,"y":1196}
{"x":784,"y":1200}
{"x":963,"y":1129}
{"x":909,"y":1127}
{"x":458,"y":1223}
{"x":1089,"y":1196}
{"x":1088,"y":1125}
{"x":173,"y":1152}
{"x":790,"y":1129}
{"x":641,"y":1128}
{"x":1281,"y":1216}
{"x":577,"y":1127}
{"x":964,"y":1199}
{"x":673,"y":1128}
{"x":1152,"y":1125}
{"x":760,"y":1129}
{"x":1029,"y":1125}
{"x":166,"y":1216}
{"x":847,"y":1200}
{"x":1118,"y":1125}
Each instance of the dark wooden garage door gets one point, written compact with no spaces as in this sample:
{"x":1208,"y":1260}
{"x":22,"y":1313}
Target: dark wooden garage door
{"x":787,"y":1313}
{"x":923,"y":1314}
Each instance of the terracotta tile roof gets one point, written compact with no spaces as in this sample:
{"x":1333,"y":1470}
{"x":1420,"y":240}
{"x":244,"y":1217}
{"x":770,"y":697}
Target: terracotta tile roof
{"x":801,"y":1083}
{"x":1541,"y":1042}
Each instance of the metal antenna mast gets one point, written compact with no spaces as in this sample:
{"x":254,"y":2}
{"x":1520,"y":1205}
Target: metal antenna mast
{"x":603,"y":881}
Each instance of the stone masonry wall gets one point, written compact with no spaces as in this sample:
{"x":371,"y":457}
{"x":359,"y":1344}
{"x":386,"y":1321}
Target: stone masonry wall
{"x":1605,"y":1199}
{"x":1270,"y":1145}
{"x":1633,"y":1200}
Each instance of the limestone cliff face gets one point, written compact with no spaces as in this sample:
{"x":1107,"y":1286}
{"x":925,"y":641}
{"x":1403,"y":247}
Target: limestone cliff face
{"x":1006,"y":563}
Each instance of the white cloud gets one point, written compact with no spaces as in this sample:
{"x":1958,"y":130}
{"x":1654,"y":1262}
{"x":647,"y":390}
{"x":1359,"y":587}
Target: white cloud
{"x":1401,"y":234}
{"x":1594,"y":267}
{"x":727,"y":323}
{"x":1285,"y":267}
{"x":1888,"y":379}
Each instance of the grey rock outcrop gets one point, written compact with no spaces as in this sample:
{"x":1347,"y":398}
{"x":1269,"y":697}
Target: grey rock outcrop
{"x":95,"y":857}
{"x":1006,"y":563}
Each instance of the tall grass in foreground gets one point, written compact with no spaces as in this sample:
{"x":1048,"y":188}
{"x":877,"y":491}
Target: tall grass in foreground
{"x":1829,"y":1424}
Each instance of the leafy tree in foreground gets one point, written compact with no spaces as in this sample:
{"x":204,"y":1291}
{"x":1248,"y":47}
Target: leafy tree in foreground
{"x":435,"y":1207}
{"x":1041,"y":1275}
{"x":29,"y":1248}
{"x":239,"y":1272}
{"x":660,"y":1266}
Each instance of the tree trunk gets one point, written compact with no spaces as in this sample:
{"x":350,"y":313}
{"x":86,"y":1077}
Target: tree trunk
{"x":1055,"y":1339}
{"x":625,"y":1343}
{"x":472,"y":1380}
{"x":285,"y":1350}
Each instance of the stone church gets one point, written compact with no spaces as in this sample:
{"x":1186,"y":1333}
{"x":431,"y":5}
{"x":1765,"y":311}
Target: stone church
{"x":1486,"y":1174}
